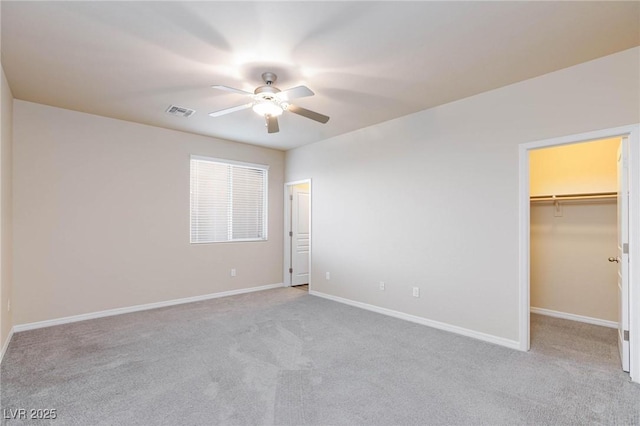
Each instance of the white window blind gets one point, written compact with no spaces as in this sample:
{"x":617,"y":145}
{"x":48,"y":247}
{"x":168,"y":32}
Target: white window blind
{"x":228,"y":201}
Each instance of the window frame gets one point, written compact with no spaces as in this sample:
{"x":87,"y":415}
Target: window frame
{"x":233,"y":163}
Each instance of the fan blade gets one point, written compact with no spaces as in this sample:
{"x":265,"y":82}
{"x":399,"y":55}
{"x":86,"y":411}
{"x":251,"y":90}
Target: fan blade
{"x":307,"y":113}
{"x":231,"y":89}
{"x":294,"y":93}
{"x":272,"y":124}
{"x":230,"y":110}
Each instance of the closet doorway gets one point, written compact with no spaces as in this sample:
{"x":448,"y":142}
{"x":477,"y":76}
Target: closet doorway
{"x":630,"y":296}
{"x":574,"y":229}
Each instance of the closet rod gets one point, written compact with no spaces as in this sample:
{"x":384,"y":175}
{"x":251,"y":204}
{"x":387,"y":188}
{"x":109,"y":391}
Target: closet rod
{"x":574,"y":196}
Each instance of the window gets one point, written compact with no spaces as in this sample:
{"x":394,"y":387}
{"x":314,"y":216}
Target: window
{"x":228,"y":201}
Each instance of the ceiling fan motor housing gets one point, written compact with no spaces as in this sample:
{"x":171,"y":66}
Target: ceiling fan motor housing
{"x":265,"y":91}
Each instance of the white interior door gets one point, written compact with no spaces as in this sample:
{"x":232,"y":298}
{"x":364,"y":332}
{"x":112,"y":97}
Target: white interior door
{"x":300,"y":230}
{"x":622,"y":257}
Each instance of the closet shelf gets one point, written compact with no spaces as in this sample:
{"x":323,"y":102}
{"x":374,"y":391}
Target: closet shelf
{"x":568,"y":197}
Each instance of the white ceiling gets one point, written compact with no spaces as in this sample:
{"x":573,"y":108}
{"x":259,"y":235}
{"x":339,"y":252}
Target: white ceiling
{"x":367,"y":62}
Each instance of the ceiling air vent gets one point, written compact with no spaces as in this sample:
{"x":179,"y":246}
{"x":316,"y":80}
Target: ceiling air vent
{"x":180,"y":111}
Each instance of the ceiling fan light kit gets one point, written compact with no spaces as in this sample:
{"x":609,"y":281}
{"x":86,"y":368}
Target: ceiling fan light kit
{"x":267,"y":108}
{"x":270,"y":102}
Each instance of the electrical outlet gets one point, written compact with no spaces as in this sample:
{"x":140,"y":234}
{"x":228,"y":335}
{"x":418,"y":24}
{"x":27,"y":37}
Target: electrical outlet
{"x":416,"y":292}
{"x":382,"y":285}
{"x":233,"y":272}
{"x":328,"y":275}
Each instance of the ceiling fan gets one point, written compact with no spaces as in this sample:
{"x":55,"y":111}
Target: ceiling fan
{"x":270,"y":102}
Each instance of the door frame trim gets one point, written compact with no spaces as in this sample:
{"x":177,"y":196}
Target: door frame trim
{"x":633,"y":132}
{"x":286,"y":276}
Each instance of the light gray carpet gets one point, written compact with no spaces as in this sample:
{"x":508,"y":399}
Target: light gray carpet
{"x":285,"y":357}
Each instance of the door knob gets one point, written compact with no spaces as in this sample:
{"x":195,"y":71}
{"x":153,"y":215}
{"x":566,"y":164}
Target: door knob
{"x":614,"y":259}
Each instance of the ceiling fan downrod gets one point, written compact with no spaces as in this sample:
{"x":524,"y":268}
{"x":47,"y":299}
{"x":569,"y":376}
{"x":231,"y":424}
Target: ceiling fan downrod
{"x":269,"y":78}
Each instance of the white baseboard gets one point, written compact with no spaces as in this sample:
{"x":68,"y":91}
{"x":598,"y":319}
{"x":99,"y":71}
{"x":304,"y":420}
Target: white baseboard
{"x":574,"y":317}
{"x":420,"y":320}
{"x":6,"y":345}
{"x":119,"y":311}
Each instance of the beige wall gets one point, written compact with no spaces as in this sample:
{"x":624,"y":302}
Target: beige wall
{"x":569,"y":268}
{"x":6,"y":121}
{"x":101,"y":216}
{"x":431,"y":199}
{"x":574,"y":169}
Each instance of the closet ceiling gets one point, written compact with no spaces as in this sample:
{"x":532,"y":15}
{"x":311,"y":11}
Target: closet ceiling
{"x":367,"y":62}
